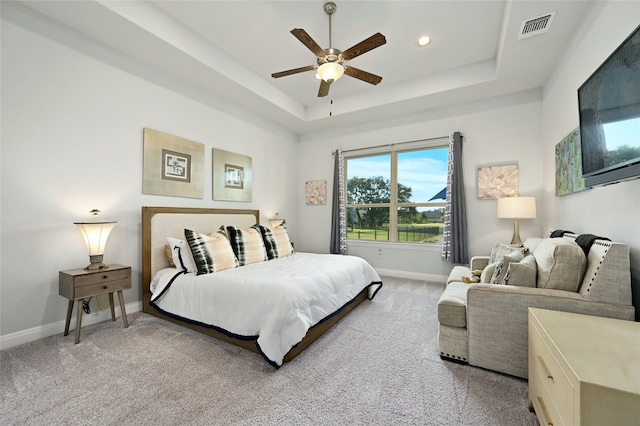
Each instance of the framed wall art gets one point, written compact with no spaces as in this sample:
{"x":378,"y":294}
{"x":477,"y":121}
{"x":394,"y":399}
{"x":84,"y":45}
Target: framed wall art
{"x":497,"y":181}
{"x":232,"y":176}
{"x":172,"y":166}
{"x":316,"y":192}
{"x":569,"y":165}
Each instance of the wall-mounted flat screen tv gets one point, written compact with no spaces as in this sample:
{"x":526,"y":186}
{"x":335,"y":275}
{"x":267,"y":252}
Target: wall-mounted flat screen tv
{"x":609,"y":103}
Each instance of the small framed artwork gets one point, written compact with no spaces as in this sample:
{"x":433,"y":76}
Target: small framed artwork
{"x":316,"y":192}
{"x":232,"y":177}
{"x":176,"y":166}
{"x":172,"y":166}
{"x":497,"y":181}
{"x":569,"y":165}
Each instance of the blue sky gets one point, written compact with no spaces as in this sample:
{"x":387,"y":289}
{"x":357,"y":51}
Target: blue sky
{"x":626,"y":132}
{"x":424,"y":171}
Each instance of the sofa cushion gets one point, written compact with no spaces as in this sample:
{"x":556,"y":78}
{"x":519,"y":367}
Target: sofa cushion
{"x":457,"y":273}
{"x":531,"y":243}
{"x":560,"y":263}
{"x":452,"y":309}
{"x":523,"y":273}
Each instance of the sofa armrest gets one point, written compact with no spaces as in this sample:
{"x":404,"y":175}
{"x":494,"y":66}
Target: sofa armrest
{"x":479,"y":262}
{"x":497,"y":321}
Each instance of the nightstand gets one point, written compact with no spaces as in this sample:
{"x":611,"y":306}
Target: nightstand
{"x":78,"y":284}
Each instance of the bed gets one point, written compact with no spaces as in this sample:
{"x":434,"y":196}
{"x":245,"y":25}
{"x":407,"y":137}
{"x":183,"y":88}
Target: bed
{"x":275,"y":308}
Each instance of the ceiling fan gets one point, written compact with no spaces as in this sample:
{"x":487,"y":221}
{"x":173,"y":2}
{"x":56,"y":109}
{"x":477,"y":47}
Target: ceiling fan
{"x":330,"y":61}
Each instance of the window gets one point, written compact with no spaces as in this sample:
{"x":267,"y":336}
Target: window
{"x":397,"y":195}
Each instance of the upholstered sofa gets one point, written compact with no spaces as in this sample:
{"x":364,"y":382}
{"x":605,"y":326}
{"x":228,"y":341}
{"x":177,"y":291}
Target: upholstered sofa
{"x":485,"y":324}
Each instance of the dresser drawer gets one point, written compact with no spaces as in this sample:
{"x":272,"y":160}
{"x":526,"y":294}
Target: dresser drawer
{"x":558,"y":389}
{"x":557,"y":386}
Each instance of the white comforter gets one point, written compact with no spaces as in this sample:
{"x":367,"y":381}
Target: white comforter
{"x":277,"y":300}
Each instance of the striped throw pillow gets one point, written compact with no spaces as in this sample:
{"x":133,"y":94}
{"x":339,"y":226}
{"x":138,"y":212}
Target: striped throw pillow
{"x":276,"y":241}
{"x":211,"y":252}
{"x":247,"y":244}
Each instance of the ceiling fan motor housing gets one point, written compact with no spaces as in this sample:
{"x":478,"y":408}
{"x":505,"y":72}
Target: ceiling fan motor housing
{"x":332,"y":55}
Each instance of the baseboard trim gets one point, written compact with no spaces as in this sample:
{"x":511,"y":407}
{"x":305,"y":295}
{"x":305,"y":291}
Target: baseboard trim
{"x":412,"y":275}
{"x":29,"y":335}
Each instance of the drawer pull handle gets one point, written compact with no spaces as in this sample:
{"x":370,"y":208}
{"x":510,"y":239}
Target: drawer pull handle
{"x":104,"y":277}
{"x":104,"y":287}
{"x":546,"y":369}
{"x":545,"y":413}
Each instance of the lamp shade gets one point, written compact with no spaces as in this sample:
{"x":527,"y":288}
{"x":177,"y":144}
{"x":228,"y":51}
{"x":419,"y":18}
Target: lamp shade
{"x":95,"y":233}
{"x":517,"y":208}
{"x":330,"y":71}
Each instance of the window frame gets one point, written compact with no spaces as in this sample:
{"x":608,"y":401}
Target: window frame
{"x":393,"y":205}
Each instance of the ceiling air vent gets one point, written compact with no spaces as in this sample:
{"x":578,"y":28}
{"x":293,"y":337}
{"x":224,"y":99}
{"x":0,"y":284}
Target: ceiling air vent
{"x":534,"y":26}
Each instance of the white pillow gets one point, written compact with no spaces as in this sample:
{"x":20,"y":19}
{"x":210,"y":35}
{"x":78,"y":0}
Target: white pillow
{"x":181,"y":255}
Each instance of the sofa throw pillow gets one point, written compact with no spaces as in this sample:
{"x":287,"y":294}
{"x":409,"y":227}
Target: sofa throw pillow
{"x":501,"y":267}
{"x":211,"y":252}
{"x":180,"y":255}
{"x":560,"y":264}
{"x":247,"y":244}
{"x":516,"y":251}
{"x":523,"y":273}
{"x":487,"y":273}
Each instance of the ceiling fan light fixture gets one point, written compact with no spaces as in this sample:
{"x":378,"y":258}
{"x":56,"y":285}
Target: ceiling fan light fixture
{"x":330,"y":71}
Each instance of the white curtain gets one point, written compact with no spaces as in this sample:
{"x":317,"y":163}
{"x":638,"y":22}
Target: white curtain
{"x":338,"y":213}
{"x":454,"y":242}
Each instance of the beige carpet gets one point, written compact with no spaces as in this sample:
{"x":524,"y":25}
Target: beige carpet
{"x":379,"y":365}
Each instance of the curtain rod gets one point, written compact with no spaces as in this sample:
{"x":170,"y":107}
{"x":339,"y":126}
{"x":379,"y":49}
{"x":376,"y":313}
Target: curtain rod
{"x":393,"y":144}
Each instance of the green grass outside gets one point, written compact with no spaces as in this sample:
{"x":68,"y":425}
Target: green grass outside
{"x":381,"y":234}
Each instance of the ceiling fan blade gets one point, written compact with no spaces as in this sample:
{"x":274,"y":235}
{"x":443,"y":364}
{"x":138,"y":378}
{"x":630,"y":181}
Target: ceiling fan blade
{"x":364,"y":46}
{"x":293,"y":71}
{"x":363,"y":75}
{"x":324,"y":88}
{"x":306,"y":39}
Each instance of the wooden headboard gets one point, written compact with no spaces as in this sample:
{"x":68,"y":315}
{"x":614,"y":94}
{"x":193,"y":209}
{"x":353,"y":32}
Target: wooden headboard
{"x":158,"y":223}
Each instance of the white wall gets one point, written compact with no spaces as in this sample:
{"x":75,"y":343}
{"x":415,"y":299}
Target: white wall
{"x":612,"y":211}
{"x":72,"y":141}
{"x":498,"y":130}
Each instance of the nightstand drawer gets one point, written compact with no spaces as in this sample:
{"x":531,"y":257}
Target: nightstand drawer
{"x":80,"y":283}
{"x":102,"y":277}
{"x":101,"y":288}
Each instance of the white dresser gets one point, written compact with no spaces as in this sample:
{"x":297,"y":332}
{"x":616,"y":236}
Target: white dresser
{"x":583,"y":370}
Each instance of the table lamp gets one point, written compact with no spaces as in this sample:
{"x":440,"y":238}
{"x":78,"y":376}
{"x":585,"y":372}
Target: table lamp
{"x":275,"y":221}
{"x":95,"y":232}
{"x":516,"y":208}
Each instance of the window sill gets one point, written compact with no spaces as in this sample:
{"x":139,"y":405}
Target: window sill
{"x":396,"y":245}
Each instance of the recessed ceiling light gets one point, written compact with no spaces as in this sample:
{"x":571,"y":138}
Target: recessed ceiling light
{"x":423,"y":41}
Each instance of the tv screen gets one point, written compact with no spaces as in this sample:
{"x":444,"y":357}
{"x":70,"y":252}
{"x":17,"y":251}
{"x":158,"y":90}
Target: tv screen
{"x":609,"y":103}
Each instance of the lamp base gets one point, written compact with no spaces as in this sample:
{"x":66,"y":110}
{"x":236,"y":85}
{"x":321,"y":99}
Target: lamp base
{"x":96,"y":263}
{"x":516,"y":232}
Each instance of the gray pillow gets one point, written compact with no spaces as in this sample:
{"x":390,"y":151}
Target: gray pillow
{"x":523,"y":273}
{"x":501,"y":268}
{"x":561,"y":264}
